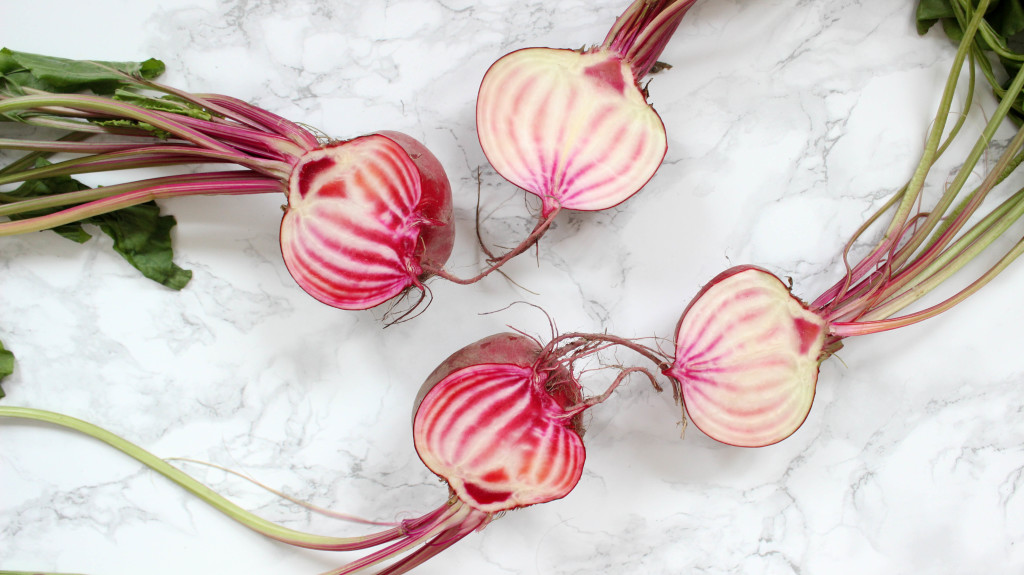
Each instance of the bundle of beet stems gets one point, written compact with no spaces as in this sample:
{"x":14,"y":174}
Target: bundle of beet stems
{"x":747,"y":352}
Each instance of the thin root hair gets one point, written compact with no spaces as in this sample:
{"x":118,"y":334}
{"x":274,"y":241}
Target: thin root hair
{"x":304,"y":504}
{"x":551,"y":321}
{"x":414,"y":311}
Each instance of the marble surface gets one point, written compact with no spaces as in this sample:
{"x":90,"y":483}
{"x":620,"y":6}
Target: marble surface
{"x":789,"y":121}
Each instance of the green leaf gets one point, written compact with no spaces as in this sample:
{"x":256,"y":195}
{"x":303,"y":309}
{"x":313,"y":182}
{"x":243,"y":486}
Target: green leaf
{"x":6,"y":365}
{"x":168,"y":103}
{"x":141,"y":235}
{"x":931,"y":11}
{"x":21,"y":69}
{"x":952,"y":29}
{"x":1005,"y":18}
{"x":134,"y":124}
{"x":48,"y":187}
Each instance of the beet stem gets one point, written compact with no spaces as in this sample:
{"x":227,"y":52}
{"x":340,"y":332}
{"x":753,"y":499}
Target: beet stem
{"x":917,"y":253}
{"x":640,"y":34}
{"x":237,"y":183}
{"x":217,"y":501}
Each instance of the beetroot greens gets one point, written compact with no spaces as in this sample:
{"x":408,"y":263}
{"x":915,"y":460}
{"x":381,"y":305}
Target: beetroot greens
{"x":500,"y":421}
{"x":748,"y":351}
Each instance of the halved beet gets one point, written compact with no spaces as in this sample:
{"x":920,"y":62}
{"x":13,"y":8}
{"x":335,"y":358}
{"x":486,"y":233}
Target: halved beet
{"x":571,"y":127}
{"x":746,"y":359}
{"x":367,"y":219}
{"x":491,"y":421}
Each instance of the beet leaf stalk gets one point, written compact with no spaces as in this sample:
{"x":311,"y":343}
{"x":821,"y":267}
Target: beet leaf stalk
{"x":999,"y":33}
{"x":365,"y":219}
{"x":140,"y":234}
{"x":6,"y":365}
{"x":573,"y":127}
{"x":500,"y":421}
{"x":748,"y":352}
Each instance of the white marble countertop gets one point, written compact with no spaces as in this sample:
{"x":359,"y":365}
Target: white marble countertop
{"x":789,"y":121}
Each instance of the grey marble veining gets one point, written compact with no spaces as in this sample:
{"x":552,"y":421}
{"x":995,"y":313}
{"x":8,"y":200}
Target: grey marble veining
{"x":789,"y":122}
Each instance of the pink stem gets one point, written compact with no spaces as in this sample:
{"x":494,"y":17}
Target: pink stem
{"x":245,"y":139}
{"x":244,"y":113}
{"x":148,"y":156}
{"x":154,"y":189}
{"x":265,"y":119}
{"x":68,"y":147}
{"x":22,"y":206}
{"x":111,"y":108}
{"x":848,"y":329}
{"x":456,"y":518}
{"x":436,"y":545}
{"x":641,"y":33}
{"x":365,"y":542}
{"x":863,"y":286}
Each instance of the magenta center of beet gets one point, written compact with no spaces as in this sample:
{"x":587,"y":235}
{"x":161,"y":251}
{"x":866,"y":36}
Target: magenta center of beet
{"x":609,"y":73}
{"x":310,"y":170}
{"x":809,"y":333}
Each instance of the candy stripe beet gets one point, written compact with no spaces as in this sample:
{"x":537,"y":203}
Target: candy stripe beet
{"x":573,"y":127}
{"x":747,"y":351}
{"x":500,"y":420}
{"x":746,"y":360}
{"x":591,"y":140}
{"x":499,"y":439}
{"x":366,"y":219}
{"x":352,"y":223}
